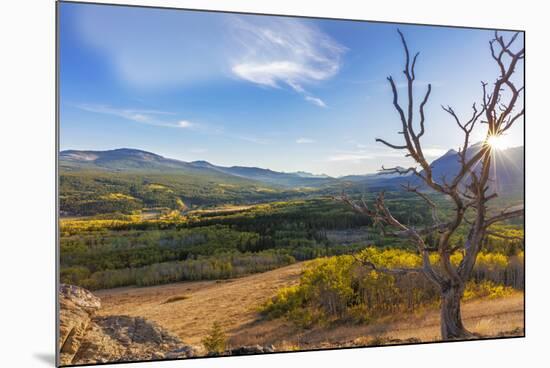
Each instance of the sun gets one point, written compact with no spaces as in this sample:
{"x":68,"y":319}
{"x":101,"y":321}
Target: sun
{"x":496,"y":142}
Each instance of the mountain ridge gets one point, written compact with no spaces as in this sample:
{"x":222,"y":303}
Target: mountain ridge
{"x":128,"y":159}
{"x":508,"y":168}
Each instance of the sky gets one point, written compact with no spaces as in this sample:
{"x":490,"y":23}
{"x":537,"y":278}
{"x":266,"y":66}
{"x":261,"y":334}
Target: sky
{"x":284,"y":93}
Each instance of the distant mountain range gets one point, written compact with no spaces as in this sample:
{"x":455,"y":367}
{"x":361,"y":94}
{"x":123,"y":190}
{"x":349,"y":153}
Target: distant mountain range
{"x":507,"y":173}
{"x":125,"y":159}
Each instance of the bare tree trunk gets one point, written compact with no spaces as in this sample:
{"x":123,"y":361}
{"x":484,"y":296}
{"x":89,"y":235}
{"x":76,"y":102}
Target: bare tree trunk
{"x":469,"y":190}
{"x":451,"y":319}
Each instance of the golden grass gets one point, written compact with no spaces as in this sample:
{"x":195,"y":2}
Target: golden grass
{"x":234,"y":304}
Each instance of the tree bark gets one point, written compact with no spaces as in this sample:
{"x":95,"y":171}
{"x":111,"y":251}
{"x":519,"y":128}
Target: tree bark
{"x":451,"y":319}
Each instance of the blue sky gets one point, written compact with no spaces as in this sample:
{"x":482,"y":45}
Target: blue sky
{"x":287,"y":94}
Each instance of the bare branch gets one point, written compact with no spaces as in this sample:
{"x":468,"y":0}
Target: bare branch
{"x":468,"y":189}
{"x":504,"y":215}
{"x":390,"y":145}
{"x":422,"y":104}
{"x":398,"y":170}
{"x":503,"y":236}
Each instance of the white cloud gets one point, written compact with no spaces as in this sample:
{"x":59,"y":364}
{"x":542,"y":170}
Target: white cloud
{"x":316,"y":101}
{"x":277,"y":52}
{"x":304,"y":140}
{"x":268,"y":73}
{"x":150,"y":117}
{"x":267,"y":51}
{"x":251,"y":139}
{"x":185,"y":124}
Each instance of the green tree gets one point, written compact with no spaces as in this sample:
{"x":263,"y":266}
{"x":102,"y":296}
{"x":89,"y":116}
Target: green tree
{"x":215,"y":342}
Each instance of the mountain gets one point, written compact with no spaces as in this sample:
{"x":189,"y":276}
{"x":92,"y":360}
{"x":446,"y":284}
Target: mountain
{"x":268,"y":176}
{"x":129,"y":160}
{"x":507,"y":170}
{"x":304,"y":174}
{"x":118,"y":159}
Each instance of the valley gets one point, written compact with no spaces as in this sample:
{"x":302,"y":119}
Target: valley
{"x":273,"y":258}
{"x":236,"y":184}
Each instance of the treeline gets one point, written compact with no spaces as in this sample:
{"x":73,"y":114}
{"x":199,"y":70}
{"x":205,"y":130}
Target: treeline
{"x":106,"y":252}
{"x":341,"y":289}
{"x":294,"y":228}
{"x":80,"y":191}
{"x":297,"y":229}
{"x":313,"y":214}
{"x":221,"y":266}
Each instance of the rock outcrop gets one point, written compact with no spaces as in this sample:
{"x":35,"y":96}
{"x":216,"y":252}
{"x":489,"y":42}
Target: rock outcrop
{"x":85,"y":338}
{"x":77,"y":307}
{"x":249,"y":350}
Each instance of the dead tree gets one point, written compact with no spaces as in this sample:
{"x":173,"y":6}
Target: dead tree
{"x":469,"y":190}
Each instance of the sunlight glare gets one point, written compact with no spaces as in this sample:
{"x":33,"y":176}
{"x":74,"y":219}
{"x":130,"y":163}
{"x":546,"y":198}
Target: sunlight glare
{"x":496,"y":142}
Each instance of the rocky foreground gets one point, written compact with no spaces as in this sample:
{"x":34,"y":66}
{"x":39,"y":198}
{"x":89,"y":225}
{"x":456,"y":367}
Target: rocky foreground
{"x":91,"y":334}
{"x":88,"y":338}
{"x":85,"y":338}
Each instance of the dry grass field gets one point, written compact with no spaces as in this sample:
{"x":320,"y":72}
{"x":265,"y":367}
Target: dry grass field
{"x":188,"y":310}
{"x":233,"y":303}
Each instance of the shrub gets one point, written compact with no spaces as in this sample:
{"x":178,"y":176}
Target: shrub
{"x":485,"y":289}
{"x":341,"y":289}
{"x":215,"y":342}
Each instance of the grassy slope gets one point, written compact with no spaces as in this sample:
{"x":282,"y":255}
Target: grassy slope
{"x":231,"y":302}
{"x":234,"y":303}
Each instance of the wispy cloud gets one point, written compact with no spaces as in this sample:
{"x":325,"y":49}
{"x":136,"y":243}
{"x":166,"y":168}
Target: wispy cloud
{"x":361,"y":154}
{"x":285,"y":52}
{"x":168,"y":120}
{"x":185,"y":124}
{"x":316,"y":101}
{"x":351,"y":157}
{"x":251,"y":139}
{"x":374,"y":153}
{"x":150,"y":117}
{"x":270,"y":52}
{"x":304,"y":140}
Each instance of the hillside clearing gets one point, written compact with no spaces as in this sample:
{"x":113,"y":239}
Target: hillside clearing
{"x":234,"y":303}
